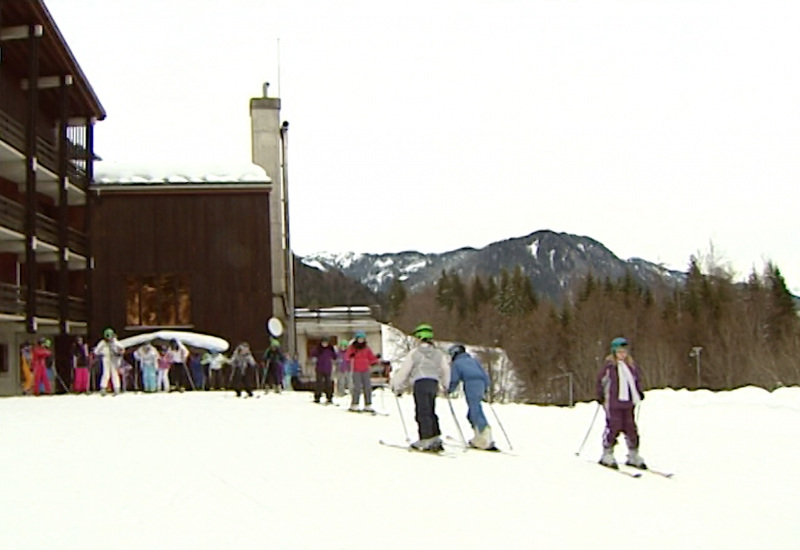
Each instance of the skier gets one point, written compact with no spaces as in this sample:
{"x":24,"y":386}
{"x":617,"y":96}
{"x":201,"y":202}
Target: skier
{"x":323,"y":356}
{"x":361,"y":359}
{"x":110,"y":354}
{"x":80,"y":365}
{"x":215,"y":361}
{"x":619,"y":390}
{"x":147,"y":356}
{"x":291,"y":373}
{"x":467,"y":368}
{"x":274,"y":360}
{"x":39,"y":356}
{"x":178,"y":354}
{"x":343,"y":378}
{"x":426,"y":368}
{"x":164,"y":364}
{"x":243,"y":364}
{"x":25,"y":366}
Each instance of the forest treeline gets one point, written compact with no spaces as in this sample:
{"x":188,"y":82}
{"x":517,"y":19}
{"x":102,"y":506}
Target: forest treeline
{"x":709,"y":332}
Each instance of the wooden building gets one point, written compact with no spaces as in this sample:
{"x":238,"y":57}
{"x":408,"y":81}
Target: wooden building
{"x":183,"y":251}
{"x":47,"y":114}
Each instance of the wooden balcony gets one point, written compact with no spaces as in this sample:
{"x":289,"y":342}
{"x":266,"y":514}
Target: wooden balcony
{"x":13,"y":165}
{"x":12,"y":231}
{"x":12,"y":304}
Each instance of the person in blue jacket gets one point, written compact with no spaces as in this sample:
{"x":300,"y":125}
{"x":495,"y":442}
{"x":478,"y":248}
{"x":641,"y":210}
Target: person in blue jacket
{"x":467,"y":369}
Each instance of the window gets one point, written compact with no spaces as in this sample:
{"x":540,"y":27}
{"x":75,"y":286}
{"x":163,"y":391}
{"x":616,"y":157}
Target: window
{"x":3,"y":359}
{"x":158,"y":300}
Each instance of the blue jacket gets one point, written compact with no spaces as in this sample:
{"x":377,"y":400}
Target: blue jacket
{"x":465,"y":367}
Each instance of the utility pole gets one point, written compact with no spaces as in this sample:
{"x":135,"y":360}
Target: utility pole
{"x":291,"y":325}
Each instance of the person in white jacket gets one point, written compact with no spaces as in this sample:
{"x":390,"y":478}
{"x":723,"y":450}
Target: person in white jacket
{"x":110,"y":353}
{"x":427,"y":369}
{"x":178,"y":354}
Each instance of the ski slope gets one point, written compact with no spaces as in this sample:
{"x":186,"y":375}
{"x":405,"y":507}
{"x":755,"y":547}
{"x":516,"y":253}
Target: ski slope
{"x":206,"y":470}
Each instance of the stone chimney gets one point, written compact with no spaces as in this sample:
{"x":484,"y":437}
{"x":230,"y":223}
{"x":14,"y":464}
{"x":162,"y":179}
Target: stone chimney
{"x":266,"y":141}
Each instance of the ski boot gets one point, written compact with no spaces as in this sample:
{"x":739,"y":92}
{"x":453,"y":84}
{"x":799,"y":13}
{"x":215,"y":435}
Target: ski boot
{"x":483,"y":439}
{"x":635,"y":459}
{"x":608,"y":459}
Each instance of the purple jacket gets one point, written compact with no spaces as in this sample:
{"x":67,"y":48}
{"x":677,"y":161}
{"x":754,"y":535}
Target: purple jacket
{"x":608,"y":385}
{"x":325,"y":356}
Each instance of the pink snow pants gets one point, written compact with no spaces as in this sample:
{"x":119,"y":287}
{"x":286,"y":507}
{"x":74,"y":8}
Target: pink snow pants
{"x":81,"y":383}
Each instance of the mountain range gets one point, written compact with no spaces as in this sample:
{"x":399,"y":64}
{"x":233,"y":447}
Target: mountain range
{"x":556,"y":264}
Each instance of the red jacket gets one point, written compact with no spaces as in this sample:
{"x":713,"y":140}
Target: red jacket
{"x":361,"y":358}
{"x":39,"y":357}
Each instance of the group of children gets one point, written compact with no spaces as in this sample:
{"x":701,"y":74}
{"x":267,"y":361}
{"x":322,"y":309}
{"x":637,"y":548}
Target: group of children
{"x":425,"y":370}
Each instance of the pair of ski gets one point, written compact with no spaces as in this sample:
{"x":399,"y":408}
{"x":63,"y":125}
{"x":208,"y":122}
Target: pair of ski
{"x":408,"y":447}
{"x":630,"y":471}
{"x":371,"y":413}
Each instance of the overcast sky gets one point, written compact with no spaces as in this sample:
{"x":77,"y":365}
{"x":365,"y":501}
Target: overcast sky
{"x":659,"y":128}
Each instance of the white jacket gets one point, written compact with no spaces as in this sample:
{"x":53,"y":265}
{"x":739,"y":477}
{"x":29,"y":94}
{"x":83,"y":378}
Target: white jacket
{"x":426,"y":361}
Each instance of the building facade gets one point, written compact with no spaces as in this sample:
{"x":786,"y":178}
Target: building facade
{"x":180,"y":252}
{"x":47,"y":115}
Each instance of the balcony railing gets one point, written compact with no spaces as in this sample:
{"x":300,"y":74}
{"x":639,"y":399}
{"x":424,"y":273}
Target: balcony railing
{"x":12,"y":216}
{"x":13,"y":302}
{"x":13,"y":132}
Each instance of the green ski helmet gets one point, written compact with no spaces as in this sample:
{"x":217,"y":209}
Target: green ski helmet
{"x":108,"y":333}
{"x":617,"y":343}
{"x":424,"y":332}
{"x":275,"y":343}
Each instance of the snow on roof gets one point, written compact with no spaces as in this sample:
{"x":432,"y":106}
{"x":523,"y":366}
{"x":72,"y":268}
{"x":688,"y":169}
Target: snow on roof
{"x":178,"y":173}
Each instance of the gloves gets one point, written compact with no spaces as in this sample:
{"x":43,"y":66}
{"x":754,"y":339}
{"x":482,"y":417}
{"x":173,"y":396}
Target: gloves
{"x":398,"y":393}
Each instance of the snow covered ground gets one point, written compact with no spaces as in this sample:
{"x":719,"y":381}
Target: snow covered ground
{"x":207,"y":470}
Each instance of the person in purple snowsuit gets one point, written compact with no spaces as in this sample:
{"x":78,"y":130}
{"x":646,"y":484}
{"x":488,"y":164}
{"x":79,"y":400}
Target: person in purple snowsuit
{"x":619,"y":390}
{"x":324,"y":357}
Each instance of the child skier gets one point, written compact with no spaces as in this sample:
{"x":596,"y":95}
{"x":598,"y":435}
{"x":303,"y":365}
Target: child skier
{"x":80,"y":365}
{"x":465,"y":367}
{"x":164,"y":364}
{"x":619,"y":390}
{"x":273,"y":361}
{"x":215,"y":361}
{"x":39,"y":356}
{"x":361,"y":359}
{"x":110,"y":354}
{"x":343,"y":377}
{"x":426,"y":368}
{"x":147,"y":356}
{"x":323,"y":356}
{"x":243,"y":364}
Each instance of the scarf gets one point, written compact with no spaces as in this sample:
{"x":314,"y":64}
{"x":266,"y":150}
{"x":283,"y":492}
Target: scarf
{"x":627,"y":384}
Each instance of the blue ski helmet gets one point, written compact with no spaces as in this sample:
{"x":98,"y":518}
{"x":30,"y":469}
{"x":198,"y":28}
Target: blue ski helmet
{"x":360,"y":334}
{"x":456,"y":350}
{"x":617,"y":343}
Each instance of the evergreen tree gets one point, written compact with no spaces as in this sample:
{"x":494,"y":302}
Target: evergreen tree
{"x":444,"y":292}
{"x":782,"y":321}
{"x":458,"y":294}
{"x":397,"y":297}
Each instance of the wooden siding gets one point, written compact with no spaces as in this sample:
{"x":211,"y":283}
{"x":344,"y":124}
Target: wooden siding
{"x":221,"y":239}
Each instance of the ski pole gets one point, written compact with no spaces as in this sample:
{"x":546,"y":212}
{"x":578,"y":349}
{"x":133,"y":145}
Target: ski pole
{"x":403,"y":420}
{"x":453,"y":412}
{"x":591,"y":424}
{"x":510,"y":446}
